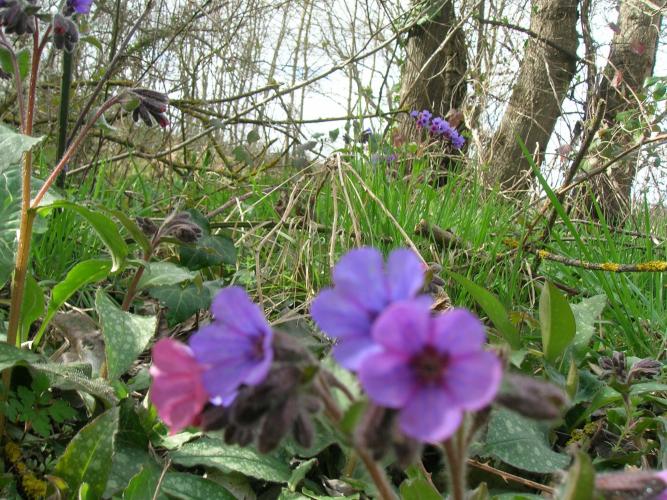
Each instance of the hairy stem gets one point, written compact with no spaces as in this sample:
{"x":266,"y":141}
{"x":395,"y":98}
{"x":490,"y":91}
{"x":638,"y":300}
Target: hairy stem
{"x":456,"y":465}
{"x":65,"y":87}
{"x":17,"y":79}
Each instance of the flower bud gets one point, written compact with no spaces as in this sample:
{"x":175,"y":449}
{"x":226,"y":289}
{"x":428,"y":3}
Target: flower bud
{"x":18,"y":17}
{"x":614,"y":366}
{"x":276,"y":426}
{"x":303,"y":430}
{"x":632,"y":485}
{"x":645,"y":368}
{"x":532,"y":398}
{"x":150,"y":106}
{"x":65,"y":33}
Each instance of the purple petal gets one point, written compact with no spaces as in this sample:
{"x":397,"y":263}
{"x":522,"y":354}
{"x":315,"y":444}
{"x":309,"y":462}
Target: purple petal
{"x":405,"y":274}
{"x":458,"y":332}
{"x":429,"y":416}
{"x":359,"y":275}
{"x":337,"y":316}
{"x":351,"y":352}
{"x":214,"y":344}
{"x":387,"y":379}
{"x":258,"y":372}
{"x":472,"y":380}
{"x":222,"y":381}
{"x":233,"y":309}
{"x":403,"y":327}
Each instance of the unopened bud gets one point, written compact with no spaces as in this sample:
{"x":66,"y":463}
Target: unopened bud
{"x":632,"y":485}
{"x":645,"y":368}
{"x":532,"y":398}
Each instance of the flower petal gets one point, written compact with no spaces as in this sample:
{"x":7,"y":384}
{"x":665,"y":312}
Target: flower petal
{"x":403,"y":327}
{"x":429,"y":416}
{"x":232,"y":309}
{"x":387,"y":379}
{"x":458,"y":332}
{"x":213,"y":344}
{"x":360,"y":276}
{"x":472,"y":380}
{"x":222,"y":380}
{"x":351,"y":352}
{"x":338,"y":316}
{"x":172,"y":356}
{"x":405,"y":274}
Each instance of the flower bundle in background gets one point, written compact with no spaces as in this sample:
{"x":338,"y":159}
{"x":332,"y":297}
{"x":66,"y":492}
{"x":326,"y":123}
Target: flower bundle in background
{"x":438,"y":128}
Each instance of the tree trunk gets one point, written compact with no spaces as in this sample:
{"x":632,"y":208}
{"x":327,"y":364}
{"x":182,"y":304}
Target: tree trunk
{"x":541,"y":85}
{"x":631,"y":61}
{"x":436,"y":63}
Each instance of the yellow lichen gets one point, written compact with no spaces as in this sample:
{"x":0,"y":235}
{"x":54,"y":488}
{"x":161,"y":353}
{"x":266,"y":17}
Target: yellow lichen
{"x":543,"y":254}
{"x":12,"y":452}
{"x":610,"y":266}
{"x":33,"y":487}
{"x":653,"y":266}
{"x":510,"y":242}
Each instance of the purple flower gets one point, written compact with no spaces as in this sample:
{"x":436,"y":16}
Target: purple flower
{"x":77,"y":7}
{"x":431,"y":369}
{"x":363,"y":288}
{"x":235,"y":349}
{"x":457,"y":140}
{"x":423,"y":118}
{"x":414,"y":113}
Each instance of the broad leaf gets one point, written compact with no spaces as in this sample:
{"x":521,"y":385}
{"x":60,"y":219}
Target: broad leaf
{"x":556,"y":321}
{"x":211,"y":452}
{"x":87,"y":457}
{"x":522,"y":443}
{"x":418,"y":489}
{"x":187,"y":486}
{"x":209,"y":250}
{"x":580,"y":481}
{"x":105,"y":228}
{"x":10,"y":355}
{"x":13,"y":145}
{"x":84,"y":273}
{"x":586,"y":313}
{"x":183,"y":302}
{"x":126,"y":335}
{"x":492,"y":307}
{"x":33,"y":306}
{"x":164,"y":273}
{"x":145,"y":485}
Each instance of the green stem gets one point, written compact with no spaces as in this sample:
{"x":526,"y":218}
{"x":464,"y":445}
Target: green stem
{"x":63,"y":115}
{"x":456,"y":465}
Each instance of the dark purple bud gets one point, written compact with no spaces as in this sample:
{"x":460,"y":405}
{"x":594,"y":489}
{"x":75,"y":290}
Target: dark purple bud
{"x":214,"y":418}
{"x":375,"y":430}
{"x":303,"y":430}
{"x":65,"y":33}
{"x":532,"y":398}
{"x":181,"y":226}
{"x":277,"y":425}
{"x":147,"y":226}
{"x":18,"y":17}
{"x":407,"y":450}
{"x":645,"y":368}
{"x":239,"y":435}
{"x":614,"y":366}
{"x":149,"y":106}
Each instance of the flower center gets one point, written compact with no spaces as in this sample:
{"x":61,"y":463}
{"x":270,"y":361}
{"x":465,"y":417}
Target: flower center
{"x":429,"y":364}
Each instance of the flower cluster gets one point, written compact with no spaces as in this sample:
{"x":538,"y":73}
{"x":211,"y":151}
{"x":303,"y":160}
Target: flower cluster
{"x":421,"y":371}
{"x":431,"y":369}
{"x":18,"y":17}
{"x":438,"y":127}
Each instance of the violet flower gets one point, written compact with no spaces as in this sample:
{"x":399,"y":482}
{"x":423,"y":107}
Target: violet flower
{"x":177,"y":390}
{"x":77,"y":7}
{"x":363,"y":288}
{"x":235,"y":349}
{"x":431,"y":369}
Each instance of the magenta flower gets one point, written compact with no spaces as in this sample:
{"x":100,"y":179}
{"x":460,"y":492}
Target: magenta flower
{"x":363,"y":288}
{"x":235,"y":349}
{"x":431,"y":368}
{"x":177,"y":391}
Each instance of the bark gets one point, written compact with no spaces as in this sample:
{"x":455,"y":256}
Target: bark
{"x":631,"y":61}
{"x":436,"y":63}
{"x":544,"y":77}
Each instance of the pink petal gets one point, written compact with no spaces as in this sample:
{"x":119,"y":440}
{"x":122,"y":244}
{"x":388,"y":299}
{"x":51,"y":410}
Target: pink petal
{"x":387,"y":379}
{"x":403,"y":327}
{"x":429,"y":416}
{"x":458,"y":331}
{"x":472,"y":380}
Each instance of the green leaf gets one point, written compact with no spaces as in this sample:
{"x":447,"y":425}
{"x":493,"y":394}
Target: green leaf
{"x":242,"y":155}
{"x":164,"y":273}
{"x":73,"y":377}
{"x":522,"y":443}
{"x":188,"y":486}
{"x":13,"y":145}
{"x":586,"y":313}
{"x":145,"y":485}
{"x":580,"y":481}
{"x":253,"y":136}
{"x":418,"y":489}
{"x":181,"y":303}
{"x":333,"y":134}
{"x":557,"y":322}
{"x":131,"y":226}
{"x":105,"y":228}
{"x":33,"y":306}
{"x":128,"y":460}
{"x":211,"y":452}
{"x":82,"y":274}
{"x":492,"y":307}
{"x":10,"y":356}
{"x":126,"y":335}
{"x":299,"y":474}
{"x":87,"y":457}
{"x":209,"y":250}
{"x":23,"y":57}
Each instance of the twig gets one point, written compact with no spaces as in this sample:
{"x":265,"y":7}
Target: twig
{"x":511,"y":477}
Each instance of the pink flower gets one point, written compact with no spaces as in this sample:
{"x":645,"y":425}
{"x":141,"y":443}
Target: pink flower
{"x":430,"y":368}
{"x":177,"y":391}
